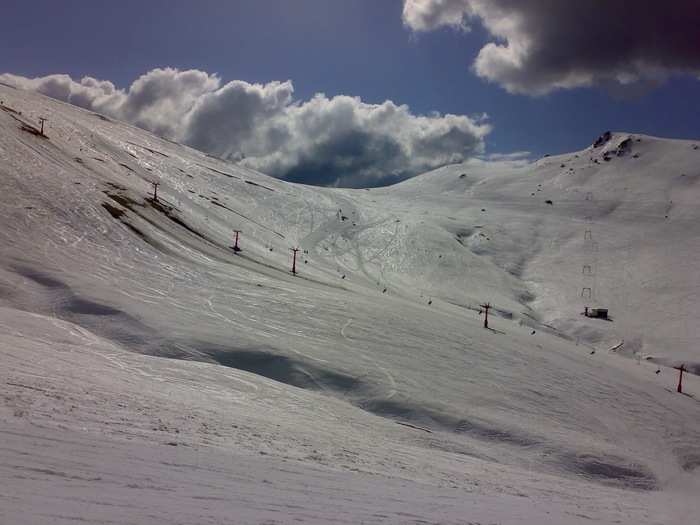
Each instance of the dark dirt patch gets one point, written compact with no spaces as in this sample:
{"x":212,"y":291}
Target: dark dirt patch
{"x":124,"y":200}
{"x":31,"y":129}
{"x":219,"y":172}
{"x":258,"y":185}
{"x":154,"y":151}
{"x":9,"y":109}
{"x":217,"y":203}
{"x":133,"y":205}
{"x":168,"y":212}
{"x":115,"y":212}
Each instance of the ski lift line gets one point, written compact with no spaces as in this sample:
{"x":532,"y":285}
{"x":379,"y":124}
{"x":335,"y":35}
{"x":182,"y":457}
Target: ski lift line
{"x":590,"y":248}
{"x":252,"y":220}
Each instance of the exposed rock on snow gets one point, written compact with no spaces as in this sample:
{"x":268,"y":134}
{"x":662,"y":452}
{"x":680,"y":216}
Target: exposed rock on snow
{"x":602,"y":139}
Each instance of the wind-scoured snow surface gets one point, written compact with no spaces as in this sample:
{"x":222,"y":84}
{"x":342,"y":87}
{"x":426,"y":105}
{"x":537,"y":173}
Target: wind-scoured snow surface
{"x":149,"y":374}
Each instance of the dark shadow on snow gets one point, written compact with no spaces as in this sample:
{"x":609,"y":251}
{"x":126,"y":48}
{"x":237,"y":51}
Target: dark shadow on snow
{"x":124,"y":329}
{"x":609,"y":470}
{"x":101,"y":319}
{"x":285,"y":370}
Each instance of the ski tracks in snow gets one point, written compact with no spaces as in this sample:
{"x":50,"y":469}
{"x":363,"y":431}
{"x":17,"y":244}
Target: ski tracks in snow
{"x":390,"y":379}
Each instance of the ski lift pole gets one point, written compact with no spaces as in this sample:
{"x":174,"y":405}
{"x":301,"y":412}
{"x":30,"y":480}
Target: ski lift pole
{"x":155,"y":191}
{"x":485,"y":307}
{"x":681,"y":369}
{"x":294,"y":260}
{"x":236,"y":248}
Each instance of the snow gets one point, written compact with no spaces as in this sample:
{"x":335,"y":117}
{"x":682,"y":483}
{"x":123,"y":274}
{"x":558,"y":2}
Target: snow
{"x":149,"y":374}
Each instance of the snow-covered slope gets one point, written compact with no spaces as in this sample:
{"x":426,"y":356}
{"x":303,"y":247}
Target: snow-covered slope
{"x":371,"y":361}
{"x":619,"y":219}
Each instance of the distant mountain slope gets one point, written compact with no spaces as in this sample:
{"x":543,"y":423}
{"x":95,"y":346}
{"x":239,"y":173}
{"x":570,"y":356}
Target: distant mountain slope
{"x":613,"y":226}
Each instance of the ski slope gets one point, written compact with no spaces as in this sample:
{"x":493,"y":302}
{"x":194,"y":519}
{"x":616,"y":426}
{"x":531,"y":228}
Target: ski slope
{"x":152,"y":375}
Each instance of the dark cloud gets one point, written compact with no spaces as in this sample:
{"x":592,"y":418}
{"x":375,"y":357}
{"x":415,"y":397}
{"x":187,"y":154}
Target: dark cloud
{"x":368,"y":156}
{"x":225,"y":122}
{"x":543,"y":45}
{"x":338,"y":141}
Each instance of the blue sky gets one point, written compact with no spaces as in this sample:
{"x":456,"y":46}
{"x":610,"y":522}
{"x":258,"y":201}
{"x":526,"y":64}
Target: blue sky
{"x":359,"y":48}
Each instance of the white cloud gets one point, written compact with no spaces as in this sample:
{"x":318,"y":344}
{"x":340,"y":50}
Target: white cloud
{"x":514,"y":156}
{"x":332,"y":141}
{"x":541,"y":46}
{"x":326,"y":139}
{"x":426,"y":15}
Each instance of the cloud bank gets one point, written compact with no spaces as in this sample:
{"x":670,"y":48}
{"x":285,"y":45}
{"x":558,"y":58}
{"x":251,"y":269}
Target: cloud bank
{"x":544,"y":45}
{"x":337,"y":141}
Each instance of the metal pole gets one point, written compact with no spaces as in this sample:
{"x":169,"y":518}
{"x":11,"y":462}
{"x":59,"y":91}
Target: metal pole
{"x":681,"y":369}
{"x":486,"y":307}
{"x":294,"y":260}
{"x":235,"y":245}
